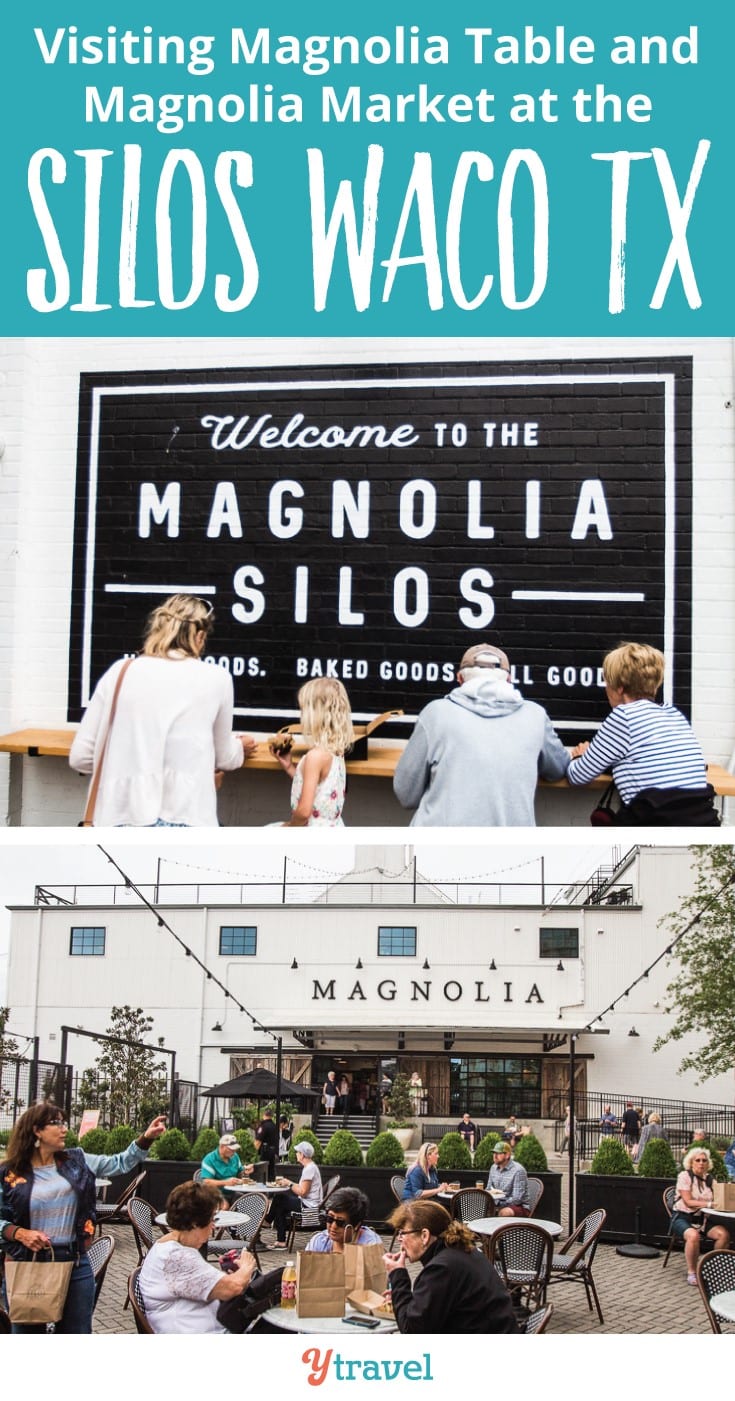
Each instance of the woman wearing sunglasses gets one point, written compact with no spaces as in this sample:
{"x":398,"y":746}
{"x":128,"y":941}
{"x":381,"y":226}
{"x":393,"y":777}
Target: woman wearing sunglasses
{"x":47,"y":1197}
{"x":457,"y":1290}
{"x":693,"y":1191}
{"x":344,"y":1221}
{"x":154,"y":761}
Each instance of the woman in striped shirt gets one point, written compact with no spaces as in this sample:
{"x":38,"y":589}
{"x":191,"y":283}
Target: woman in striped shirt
{"x":651,"y":749}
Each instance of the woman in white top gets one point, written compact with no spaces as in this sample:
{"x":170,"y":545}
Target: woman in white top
{"x":172,"y":727}
{"x":181,"y":1292}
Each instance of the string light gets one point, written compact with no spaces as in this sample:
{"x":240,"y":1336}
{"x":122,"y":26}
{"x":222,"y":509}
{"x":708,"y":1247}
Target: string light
{"x":189,"y":953}
{"x":666,"y":952}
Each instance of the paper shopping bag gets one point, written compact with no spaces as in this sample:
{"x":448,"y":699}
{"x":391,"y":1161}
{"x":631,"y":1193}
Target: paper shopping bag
{"x":320,"y":1285}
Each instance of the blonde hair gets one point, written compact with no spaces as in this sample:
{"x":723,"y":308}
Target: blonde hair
{"x":635,"y":666}
{"x":326,"y":715}
{"x":698,"y":1151}
{"x":176,"y":626}
{"x":422,"y":1155}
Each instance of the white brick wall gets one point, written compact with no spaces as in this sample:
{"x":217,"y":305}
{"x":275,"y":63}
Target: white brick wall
{"x":37,"y":475}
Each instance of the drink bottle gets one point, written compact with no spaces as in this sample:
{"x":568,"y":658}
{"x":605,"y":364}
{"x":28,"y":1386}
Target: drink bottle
{"x":288,"y":1286}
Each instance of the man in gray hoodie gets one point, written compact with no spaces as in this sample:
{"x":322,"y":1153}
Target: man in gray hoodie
{"x":475,"y":756}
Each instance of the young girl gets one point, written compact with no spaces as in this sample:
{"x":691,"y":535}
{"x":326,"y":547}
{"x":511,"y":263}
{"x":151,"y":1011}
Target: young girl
{"x":318,"y":789}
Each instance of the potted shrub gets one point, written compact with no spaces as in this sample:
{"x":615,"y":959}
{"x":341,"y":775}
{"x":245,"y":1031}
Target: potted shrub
{"x":120,"y":1138}
{"x":172,"y":1147}
{"x":206,"y":1141}
{"x":385,"y":1152}
{"x":611,"y":1160}
{"x":529,"y":1152}
{"x":400,"y":1108}
{"x":483,"y":1159}
{"x":343,"y":1150}
{"x":454,"y":1155}
{"x":95,"y":1141}
{"x":306,"y":1136}
{"x":657,"y":1160}
{"x":245,"y":1146}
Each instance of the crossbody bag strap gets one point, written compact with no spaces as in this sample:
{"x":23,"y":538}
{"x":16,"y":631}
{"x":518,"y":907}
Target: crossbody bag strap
{"x":87,"y":820}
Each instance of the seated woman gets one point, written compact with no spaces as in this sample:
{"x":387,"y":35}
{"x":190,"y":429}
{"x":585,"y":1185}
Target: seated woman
{"x":693,"y":1191}
{"x":457,"y":1291}
{"x":345,"y":1218}
{"x":650,"y":749}
{"x":423,"y":1180}
{"x":181,"y":1292}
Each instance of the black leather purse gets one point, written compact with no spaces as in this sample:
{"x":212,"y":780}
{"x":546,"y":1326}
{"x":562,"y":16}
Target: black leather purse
{"x":263,"y":1292}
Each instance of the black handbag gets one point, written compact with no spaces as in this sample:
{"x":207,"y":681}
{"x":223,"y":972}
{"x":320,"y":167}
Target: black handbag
{"x":263,"y":1292}
{"x":605,"y":815}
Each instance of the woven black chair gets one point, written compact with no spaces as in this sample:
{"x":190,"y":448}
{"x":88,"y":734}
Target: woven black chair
{"x":472,"y":1204}
{"x":537,"y":1322}
{"x":535,"y":1193}
{"x":142,"y":1219}
{"x":521,"y":1252}
{"x":310,"y":1220}
{"x":669,"y":1199}
{"x":715,"y":1275}
{"x":574,"y":1260}
{"x":99,"y":1255}
{"x":116,"y":1213}
{"x":135,"y":1298}
{"x":252,"y":1206}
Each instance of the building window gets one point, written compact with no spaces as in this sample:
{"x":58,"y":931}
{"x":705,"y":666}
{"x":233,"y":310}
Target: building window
{"x":87,"y":943}
{"x":396,"y":942}
{"x":238,"y":939}
{"x":558,"y":943}
{"x":495,"y":1086}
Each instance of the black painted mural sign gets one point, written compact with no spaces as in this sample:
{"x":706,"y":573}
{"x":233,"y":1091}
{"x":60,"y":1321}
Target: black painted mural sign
{"x":372,"y":522}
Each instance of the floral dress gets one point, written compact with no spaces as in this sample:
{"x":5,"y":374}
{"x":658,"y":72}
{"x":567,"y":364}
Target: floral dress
{"x":329,"y":797}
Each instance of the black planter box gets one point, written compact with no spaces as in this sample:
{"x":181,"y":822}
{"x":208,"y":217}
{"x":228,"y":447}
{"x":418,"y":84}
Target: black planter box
{"x":162,"y":1176}
{"x":622,"y":1198}
{"x":375,"y":1183}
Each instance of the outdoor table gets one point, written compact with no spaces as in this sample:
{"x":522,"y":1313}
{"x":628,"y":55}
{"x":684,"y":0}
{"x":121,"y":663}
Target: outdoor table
{"x":724,"y":1304}
{"x":268,"y":1189}
{"x":222,"y":1219}
{"x":488,"y":1225}
{"x":101,"y":1184}
{"x":289,"y":1321}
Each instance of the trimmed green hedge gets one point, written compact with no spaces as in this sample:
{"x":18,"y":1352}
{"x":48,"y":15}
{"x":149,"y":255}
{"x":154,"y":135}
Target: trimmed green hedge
{"x":529,"y":1152}
{"x":385,"y":1151}
{"x":343,"y":1150}
{"x":454,"y":1155}
{"x":611,"y":1160}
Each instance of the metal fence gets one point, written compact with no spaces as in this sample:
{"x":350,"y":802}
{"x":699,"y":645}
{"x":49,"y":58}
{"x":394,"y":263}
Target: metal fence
{"x":679,"y":1118}
{"x":22,"y":1082}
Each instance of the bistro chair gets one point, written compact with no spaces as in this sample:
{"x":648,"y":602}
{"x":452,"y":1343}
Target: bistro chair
{"x":521,"y":1251}
{"x":142,"y":1219}
{"x":198,"y":1176}
{"x":252,"y":1206}
{"x":116,"y":1213}
{"x":397,"y":1184}
{"x":716,"y":1275}
{"x":535,"y":1193}
{"x":310,"y":1220}
{"x":472,"y":1203}
{"x":135,"y":1299}
{"x":99,"y":1255}
{"x":574,"y":1260}
{"x":537,"y":1322}
{"x":669,"y":1199}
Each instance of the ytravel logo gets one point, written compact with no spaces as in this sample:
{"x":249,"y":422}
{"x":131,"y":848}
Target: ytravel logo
{"x":326,"y":1364}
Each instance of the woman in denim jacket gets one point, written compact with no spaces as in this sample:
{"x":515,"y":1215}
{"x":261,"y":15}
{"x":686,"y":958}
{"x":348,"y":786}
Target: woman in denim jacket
{"x":48,"y":1196}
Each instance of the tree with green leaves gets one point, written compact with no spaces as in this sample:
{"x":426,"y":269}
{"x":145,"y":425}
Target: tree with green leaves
{"x":701,"y":996}
{"x":8,"y":1051}
{"x":136,"y":1080}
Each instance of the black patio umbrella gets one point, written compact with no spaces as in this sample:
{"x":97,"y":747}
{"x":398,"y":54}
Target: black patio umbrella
{"x":259,"y":1084}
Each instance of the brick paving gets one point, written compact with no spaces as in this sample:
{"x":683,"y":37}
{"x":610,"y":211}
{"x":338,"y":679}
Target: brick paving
{"x":637,"y":1296}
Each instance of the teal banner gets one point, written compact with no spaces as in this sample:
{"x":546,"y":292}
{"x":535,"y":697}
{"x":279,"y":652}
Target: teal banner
{"x":401,"y":169}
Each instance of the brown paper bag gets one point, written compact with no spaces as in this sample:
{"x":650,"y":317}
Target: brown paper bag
{"x":320,"y":1285}
{"x":37,"y":1289}
{"x":724,"y":1195}
{"x":364,"y":1268}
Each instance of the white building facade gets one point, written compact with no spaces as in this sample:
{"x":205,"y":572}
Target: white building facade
{"x":476,"y":991}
